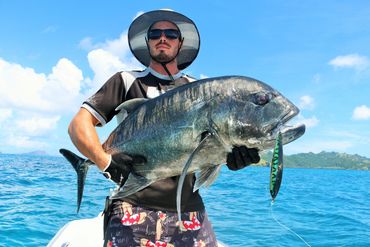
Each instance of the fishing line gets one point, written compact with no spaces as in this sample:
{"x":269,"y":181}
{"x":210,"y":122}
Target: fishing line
{"x":285,"y":227}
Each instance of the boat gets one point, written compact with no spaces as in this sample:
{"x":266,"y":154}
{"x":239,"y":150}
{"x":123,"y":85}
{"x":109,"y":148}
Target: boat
{"x":83,"y":232}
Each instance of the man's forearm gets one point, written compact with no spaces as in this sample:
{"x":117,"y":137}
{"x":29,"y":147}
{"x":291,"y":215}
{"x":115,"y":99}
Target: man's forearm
{"x":84,"y":136}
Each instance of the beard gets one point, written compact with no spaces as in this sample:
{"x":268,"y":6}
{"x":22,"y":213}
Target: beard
{"x":162,"y":57}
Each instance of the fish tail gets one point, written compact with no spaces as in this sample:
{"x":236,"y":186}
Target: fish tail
{"x":81,"y":166}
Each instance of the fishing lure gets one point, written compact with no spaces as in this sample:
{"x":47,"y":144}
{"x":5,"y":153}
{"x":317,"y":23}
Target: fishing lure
{"x":276,"y":172}
{"x":276,"y":175}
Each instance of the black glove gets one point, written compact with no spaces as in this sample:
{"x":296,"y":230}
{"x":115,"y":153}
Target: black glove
{"x":121,"y":166}
{"x":241,"y":157}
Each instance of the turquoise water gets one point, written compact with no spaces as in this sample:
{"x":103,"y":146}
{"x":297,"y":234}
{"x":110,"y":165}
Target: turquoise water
{"x":324,"y":207}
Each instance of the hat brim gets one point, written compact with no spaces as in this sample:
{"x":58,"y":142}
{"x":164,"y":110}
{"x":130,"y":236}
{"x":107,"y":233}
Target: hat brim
{"x":139,"y":28}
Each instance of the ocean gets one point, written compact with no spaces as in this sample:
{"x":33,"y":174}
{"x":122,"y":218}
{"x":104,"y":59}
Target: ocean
{"x":314,"y":207}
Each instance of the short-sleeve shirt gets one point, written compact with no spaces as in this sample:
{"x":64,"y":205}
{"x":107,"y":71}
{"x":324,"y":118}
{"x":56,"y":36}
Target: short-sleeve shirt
{"x":127,"y":85}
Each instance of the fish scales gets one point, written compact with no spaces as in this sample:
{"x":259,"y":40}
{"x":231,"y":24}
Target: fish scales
{"x":159,"y":114}
{"x":166,"y":108}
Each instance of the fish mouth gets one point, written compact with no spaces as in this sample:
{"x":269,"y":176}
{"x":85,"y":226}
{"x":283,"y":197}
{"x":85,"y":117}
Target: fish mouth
{"x":281,"y":123}
{"x":289,"y":132}
{"x":291,"y":114}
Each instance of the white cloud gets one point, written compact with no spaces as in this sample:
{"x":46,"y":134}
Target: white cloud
{"x":338,"y":139}
{"x":34,"y":102}
{"x":87,"y":44}
{"x":104,"y":64}
{"x":361,"y":113}
{"x":65,"y":77}
{"x":118,"y":47}
{"x":20,"y":87}
{"x":202,"y":76}
{"x":307,"y":102}
{"x":23,"y":88}
{"x":309,"y":122}
{"x":5,"y":113}
{"x":37,"y":125}
{"x":23,"y":132}
{"x":19,"y":141}
{"x":359,"y":138}
{"x":351,"y":61}
{"x":108,"y":58}
{"x":31,"y":103}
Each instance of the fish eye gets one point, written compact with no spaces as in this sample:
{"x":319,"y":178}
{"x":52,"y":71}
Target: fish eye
{"x":262,"y":98}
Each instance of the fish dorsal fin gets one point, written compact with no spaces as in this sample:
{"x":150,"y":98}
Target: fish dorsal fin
{"x":131,"y":104}
{"x":127,"y":107}
{"x":206,"y":177}
{"x":133,"y":184}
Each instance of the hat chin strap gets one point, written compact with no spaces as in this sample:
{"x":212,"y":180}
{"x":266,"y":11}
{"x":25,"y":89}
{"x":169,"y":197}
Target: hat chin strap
{"x":164,"y":64}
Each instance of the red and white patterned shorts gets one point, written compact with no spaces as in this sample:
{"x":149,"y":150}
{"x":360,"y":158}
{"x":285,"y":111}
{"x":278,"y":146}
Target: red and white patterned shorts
{"x":133,"y":226}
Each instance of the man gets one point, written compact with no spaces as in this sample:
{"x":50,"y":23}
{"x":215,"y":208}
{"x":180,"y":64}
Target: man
{"x":166,"y":42}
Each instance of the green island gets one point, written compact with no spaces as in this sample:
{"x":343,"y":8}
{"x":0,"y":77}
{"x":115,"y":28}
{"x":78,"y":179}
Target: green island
{"x":322,"y":160}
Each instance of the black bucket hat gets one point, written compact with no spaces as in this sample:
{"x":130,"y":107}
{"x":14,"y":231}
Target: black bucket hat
{"x":138,"y":31}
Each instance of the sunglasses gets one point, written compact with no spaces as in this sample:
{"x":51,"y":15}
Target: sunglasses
{"x":169,"y":33}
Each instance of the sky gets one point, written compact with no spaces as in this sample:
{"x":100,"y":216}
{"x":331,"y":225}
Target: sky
{"x":55,"y":54}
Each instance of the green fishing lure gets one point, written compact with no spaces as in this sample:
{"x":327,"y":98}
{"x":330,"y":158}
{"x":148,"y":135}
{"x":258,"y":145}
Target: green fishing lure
{"x":276,"y":172}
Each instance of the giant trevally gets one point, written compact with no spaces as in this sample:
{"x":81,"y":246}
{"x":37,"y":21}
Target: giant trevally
{"x":191,"y":128}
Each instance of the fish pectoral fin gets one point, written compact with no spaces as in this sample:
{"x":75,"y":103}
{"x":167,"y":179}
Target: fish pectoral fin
{"x":81,"y":166}
{"x":206,"y":177}
{"x":133,"y":184}
{"x":185,"y":171}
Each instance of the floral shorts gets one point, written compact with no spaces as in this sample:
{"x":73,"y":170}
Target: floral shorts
{"x":133,"y":226}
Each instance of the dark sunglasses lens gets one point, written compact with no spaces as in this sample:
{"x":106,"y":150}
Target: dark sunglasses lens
{"x":155,"y":34}
{"x":169,"y":33}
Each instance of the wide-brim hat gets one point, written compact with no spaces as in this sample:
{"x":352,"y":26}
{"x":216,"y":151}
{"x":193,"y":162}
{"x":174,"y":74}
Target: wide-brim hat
{"x":138,"y":31}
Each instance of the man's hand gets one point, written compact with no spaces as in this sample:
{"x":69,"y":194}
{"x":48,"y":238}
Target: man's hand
{"x":120,"y":167}
{"x":241,"y":157}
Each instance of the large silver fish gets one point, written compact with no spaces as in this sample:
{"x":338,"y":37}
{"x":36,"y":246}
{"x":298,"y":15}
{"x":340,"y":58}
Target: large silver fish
{"x":190,"y":129}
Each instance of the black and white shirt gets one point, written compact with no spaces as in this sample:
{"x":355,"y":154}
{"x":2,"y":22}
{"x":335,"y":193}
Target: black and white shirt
{"x":148,"y":83}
